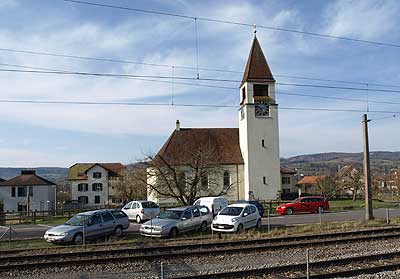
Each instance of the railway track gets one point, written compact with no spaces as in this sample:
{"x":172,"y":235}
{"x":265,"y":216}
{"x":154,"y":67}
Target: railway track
{"x":158,"y":253}
{"x":343,"y":267}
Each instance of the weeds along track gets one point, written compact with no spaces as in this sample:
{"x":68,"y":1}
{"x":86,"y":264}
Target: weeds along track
{"x":158,"y":253}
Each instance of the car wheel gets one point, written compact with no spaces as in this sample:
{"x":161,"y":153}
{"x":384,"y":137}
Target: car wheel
{"x":289,"y":211}
{"x":138,"y":219}
{"x":118,"y":231}
{"x":320,"y":209}
{"x":203,"y":227}
{"x":173,"y":233}
{"x":78,"y":239}
{"x":240,"y":228}
{"x":258,"y":225}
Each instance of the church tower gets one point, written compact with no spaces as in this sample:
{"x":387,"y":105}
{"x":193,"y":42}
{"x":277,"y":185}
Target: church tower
{"x":258,"y":128}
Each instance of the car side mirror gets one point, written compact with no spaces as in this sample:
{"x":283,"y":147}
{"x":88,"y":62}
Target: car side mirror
{"x":245,"y":214}
{"x":183,"y":218}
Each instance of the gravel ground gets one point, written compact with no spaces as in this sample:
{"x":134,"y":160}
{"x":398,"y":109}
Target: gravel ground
{"x":217,"y":263}
{"x":381,"y":275}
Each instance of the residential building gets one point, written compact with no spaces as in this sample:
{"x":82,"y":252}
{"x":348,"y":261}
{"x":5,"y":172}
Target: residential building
{"x":28,"y":192}
{"x":309,"y":184}
{"x":90,"y":183}
{"x":288,"y":183}
{"x":249,"y":155}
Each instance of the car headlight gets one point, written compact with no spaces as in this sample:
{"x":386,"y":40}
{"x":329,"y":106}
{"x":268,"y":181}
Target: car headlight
{"x":63,"y":234}
{"x":234,"y":219}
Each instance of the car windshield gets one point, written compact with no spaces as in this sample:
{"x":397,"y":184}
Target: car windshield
{"x":77,"y":220}
{"x":231,"y":211}
{"x":171,"y":214}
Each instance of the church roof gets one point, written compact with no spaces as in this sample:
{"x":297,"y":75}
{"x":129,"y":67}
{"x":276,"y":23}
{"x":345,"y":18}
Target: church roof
{"x":223,"y":143}
{"x":257,"y":68}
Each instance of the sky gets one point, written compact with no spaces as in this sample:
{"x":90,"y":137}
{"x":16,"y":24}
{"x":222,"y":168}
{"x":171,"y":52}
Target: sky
{"x":62,"y":134}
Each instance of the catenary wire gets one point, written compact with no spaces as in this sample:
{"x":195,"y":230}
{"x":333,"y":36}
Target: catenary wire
{"x":188,"y":67}
{"x":221,"y":87}
{"x":190,"y":78}
{"x":236,"y":23}
{"x":185,"y":105}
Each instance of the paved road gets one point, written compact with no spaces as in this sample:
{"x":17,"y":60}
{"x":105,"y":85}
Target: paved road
{"x":37,"y":231}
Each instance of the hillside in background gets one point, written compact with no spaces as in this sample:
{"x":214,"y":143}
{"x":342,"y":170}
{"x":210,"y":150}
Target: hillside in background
{"x":328,"y":163}
{"x":52,"y":174}
{"x":322,"y":163}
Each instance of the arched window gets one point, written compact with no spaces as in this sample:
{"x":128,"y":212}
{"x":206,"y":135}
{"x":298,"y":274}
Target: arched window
{"x":227,"y":179}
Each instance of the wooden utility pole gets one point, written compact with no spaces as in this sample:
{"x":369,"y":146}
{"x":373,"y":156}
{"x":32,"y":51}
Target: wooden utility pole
{"x":367,"y":172}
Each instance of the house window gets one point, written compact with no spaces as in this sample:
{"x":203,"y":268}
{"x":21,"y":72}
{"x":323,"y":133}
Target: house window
{"x":97,"y":175}
{"x":97,"y":187}
{"x":83,"y":187}
{"x":21,"y":191}
{"x":83,"y":199}
{"x":263,"y":143}
{"x":12,"y":191}
{"x":285,"y":180}
{"x":227,"y":179}
{"x":31,"y":191}
{"x":285,"y":191}
{"x":96,"y":199}
{"x":264,"y":180}
{"x":243,"y":95}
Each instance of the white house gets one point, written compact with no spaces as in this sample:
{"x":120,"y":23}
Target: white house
{"x":90,"y":183}
{"x":249,"y":154}
{"x":28,"y":192}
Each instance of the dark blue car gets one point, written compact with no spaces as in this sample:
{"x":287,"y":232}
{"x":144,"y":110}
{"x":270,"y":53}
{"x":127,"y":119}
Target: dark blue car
{"x":259,"y":206}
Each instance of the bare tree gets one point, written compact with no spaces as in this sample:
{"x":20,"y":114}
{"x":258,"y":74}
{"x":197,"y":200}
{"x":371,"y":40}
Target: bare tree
{"x":130,"y":184}
{"x":327,"y":186}
{"x":200,"y":175}
{"x":350,"y":179}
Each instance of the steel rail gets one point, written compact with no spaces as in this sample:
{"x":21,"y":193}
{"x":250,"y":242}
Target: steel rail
{"x":313,"y":265}
{"x":167,"y":252}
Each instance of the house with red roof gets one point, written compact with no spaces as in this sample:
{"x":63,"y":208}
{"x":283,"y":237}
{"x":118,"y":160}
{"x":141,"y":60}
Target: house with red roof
{"x":90,"y":183}
{"x":28,"y":192}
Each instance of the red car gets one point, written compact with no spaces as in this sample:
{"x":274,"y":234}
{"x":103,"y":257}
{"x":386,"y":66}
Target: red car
{"x":304,"y":205}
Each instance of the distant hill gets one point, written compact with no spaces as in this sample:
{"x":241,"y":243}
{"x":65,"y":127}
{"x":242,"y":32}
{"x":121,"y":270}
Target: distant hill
{"x":381,"y":161}
{"x":50,"y":173}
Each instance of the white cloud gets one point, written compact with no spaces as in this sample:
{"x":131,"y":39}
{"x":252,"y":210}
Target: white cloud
{"x":8,"y":3}
{"x":12,"y":157}
{"x":367,"y":19}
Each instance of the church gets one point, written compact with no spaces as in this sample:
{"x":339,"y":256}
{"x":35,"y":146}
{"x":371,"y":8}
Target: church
{"x":249,"y":155}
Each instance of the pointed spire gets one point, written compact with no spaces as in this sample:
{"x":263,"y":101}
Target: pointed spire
{"x":257,"y":68}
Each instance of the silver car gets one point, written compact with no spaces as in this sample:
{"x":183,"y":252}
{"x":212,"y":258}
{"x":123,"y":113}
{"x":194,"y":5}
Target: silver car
{"x":173,"y":221}
{"x":91,"y":224}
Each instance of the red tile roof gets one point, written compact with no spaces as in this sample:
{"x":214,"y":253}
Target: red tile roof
{"x":27,"y":178}
{"x":223,"y":142}
{"x":79,"y":170}
{"x":257,"y":68}
{"x":312,"y":179}
{"x":287,"y":170}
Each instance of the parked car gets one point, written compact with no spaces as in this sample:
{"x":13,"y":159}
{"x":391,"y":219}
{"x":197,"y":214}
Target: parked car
{"x":259,"y":206}
{"x":141,"y":210}
{"x":173,"y":221}
{"x":236,"y":218}
{"x":93,"y":224}
{"x":313,"y":204}
{"x":214,"y":204}
{"x":72,"y":205}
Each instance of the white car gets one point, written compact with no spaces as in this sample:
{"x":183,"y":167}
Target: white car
{"x":236,"y":218}
{"x":214,"y":204}
{"x":141,"y":210}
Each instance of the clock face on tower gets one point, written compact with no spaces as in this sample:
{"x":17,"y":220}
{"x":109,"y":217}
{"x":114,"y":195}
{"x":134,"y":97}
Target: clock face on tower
{"x":261,"y":108}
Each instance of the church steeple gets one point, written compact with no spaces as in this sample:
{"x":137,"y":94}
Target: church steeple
{"x":257,"y":69}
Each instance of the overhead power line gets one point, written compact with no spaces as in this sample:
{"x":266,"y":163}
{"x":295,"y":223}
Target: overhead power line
{"x":189,"y":67}
{"x":321,"y":35}
{"x":221,"y":87}
{"x":190,"y":78}
{"x":181,"y":105}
